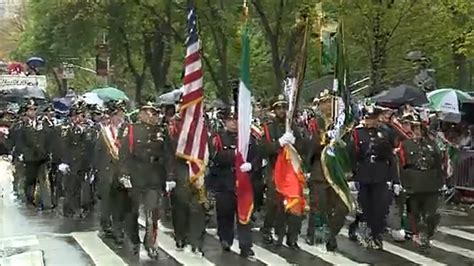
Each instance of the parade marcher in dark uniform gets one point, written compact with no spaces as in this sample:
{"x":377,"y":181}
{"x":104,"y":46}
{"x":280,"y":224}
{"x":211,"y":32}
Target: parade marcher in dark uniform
{"x":188,"y":214}
{"x":15,"y":144}
{"x":327,"y":210}
{"x":34,"y":154}
{"x":105,"y":163}
{"x":421,"y":174}
{"x":373,"y":158}
{"x":223,"y":183}
{"x":74,"y":161}
{"x":53,"y":131}
{"x":141,"y":155}
{"x":276,"y":137}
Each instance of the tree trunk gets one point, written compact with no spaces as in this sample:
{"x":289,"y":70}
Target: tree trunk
{"x":377,"y":62}
{"x":462,"y":71}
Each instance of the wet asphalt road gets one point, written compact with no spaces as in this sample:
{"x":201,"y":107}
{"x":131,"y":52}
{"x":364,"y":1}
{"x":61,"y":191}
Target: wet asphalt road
{"x":29,"y":237}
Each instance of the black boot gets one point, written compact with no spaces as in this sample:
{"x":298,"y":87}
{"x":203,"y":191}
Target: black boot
{"x":267,"y":237}
{"x":225,"y":246}
{"x":310,"y":240}
{"x":331,"y":245}
{"x":353,"y":231}
{"x":378,"y":242}
{"x":248,"y":254}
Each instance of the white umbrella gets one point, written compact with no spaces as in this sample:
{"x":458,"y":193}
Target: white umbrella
{"x":92,"y":99}
{"x":170,"y":98}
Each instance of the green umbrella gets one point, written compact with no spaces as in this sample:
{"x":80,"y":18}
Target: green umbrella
{"x":448,"y":100}
{"x":110,"y":94}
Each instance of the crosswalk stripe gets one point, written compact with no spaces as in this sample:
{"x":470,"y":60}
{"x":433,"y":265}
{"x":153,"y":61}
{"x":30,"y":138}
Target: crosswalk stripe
{"x":19,"y":241}
{"x":406,"y":254}
{"x":453,"y":249}
{"x":261,"y":254}
{"x":166,"y":243}
{"x":467,"y":227}
{"x":331,"y":257}
{"x":99,"y":252}
{"x":456,"y":233}
{"x":31,"y":258}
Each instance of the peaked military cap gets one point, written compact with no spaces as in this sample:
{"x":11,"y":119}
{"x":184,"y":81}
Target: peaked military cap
{"x":280,"y":101}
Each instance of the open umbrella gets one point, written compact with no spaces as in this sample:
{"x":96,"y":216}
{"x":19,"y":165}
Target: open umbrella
{"x":35,"y":62}
{"x":171,"y":97}
{"x":110,"y":94}
{"x":23,"y":92}
{"x":448,"y":100}
{"x":92,"y":99}
{"x":62,"y":105}
{"x":400,"y":95}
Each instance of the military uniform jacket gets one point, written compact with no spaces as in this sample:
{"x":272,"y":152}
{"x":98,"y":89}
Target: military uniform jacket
{"x":222,"y":168}
{"x":73,"y":147}
{"x":315,"y":146}
{"x":33,"y":141}
{"x":141,"y":154}
{"x":373,"y":157}
{"x":271,"y":146}
{"x":420,"y":166}
{"x":103,"y":158}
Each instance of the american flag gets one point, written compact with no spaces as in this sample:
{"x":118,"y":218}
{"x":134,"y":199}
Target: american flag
{"x":192,"y":141}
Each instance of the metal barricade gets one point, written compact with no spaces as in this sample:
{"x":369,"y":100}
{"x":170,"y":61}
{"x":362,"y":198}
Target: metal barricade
{"x":463,"y":177}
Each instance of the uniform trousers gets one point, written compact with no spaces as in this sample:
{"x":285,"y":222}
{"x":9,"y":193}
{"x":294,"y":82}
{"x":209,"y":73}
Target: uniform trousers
{"x":189,"y":218}
{"x":325,"y":201}
{"x":150,"y":200}
{"x":423,"y":208}
{"x":226,"y":210}
{"x":374,"y":201}
{"x":72,"y":183}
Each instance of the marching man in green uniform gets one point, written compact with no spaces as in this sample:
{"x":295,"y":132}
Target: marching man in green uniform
{"x":326,"y":209}
{"x":141,"y":155}
{"x":421,"y":174}
{"x":275,"y":138}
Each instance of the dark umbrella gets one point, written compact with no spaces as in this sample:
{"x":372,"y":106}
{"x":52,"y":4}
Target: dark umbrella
{"x":400,"y":95}
{"x":62,"y":104}
{"x":35,"y":62}
{"x":23,"y":92}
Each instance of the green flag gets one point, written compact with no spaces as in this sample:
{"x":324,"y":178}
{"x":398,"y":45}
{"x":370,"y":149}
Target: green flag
{"x":341,"y":82}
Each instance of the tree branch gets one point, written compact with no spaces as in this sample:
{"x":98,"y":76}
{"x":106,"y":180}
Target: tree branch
{"x":263,"y":17}
{"x":128,"y":53}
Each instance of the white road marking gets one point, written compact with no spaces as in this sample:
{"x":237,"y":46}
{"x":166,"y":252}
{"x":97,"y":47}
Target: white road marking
{"x":19,"y":241}
{"x":331,"y":257}
{"x":456,"y":233}
{"x":99,"y":252}
{"x":467,"y":227}
{"x":167,"y":244}
{"x":453,"y":249}
{"x":261,"y":254}
{"x":30,"y":258}
{"x":406,"y":254}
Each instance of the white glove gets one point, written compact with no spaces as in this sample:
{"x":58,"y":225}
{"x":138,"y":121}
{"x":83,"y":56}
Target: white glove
{"x":64,"y":168}
{"x":20,"y":158}
{"x":170,"y":185}
{"x":352,"y":185}
{"x":246,"y":167}
{"x":397,"y":189}
{"x":264,"y":162}
{"x":125,"y":181}
{"x":286,"y":139}
{"x":10,"y":158}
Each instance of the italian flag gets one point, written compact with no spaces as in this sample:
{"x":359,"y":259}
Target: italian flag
{"x":244,"y":189}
